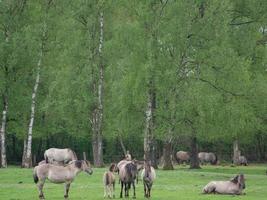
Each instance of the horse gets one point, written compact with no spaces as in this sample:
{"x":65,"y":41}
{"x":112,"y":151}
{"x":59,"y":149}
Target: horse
{"x":148,"y":175}
{"x":182,"y":156}
{"x":59,"y":174}
{"x":205,"y":157}
{"x":59,"y":156}
{"x":109,"y":181}
{"x":243,"y":160}
{"x":127,"y":175}
{"x":233,"y":186}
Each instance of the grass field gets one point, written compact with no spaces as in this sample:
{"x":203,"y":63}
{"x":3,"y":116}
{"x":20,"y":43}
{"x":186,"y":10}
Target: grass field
{"x":179,"y":184}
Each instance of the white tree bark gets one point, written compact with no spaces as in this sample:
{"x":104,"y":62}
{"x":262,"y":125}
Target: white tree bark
{"x":28,"y":155}
{"x":28,"y":159}
{"x":148,"y":130}
{"x":4,"y":117}
{"x":97,"y":116}
{"x":2,"y":135}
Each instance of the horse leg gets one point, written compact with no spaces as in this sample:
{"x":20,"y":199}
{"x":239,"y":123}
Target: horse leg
{"x":144,"y":189}
{"x":149,"y":190}
{"x":133,"y":190}
{"x":121,"y":189}
{"x":40,"y":186}
{"x":113,"y":189}
{"x":125,"y":189}
{"x":67,"y":187}
{"x":105,"y":191}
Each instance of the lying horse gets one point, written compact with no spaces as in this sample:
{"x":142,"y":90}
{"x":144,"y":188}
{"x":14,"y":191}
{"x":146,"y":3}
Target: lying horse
{"x":59,"y":156}
{"x":182,"y":156}
{"x":148,"y":175}
{"x":59,"y":174}
{"x":109,"y":181}
{"x":233,"y":186}
{"x":205,"y":157}
{"x":127,"y":175}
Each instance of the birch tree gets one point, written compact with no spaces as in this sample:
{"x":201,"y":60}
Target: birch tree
{"x":27,"y":158}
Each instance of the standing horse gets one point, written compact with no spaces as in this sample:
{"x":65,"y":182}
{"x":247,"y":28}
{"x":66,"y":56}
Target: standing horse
{"x":182,"y":156}
{"x":233,"y":186}
{"x":109,"y":181}
{"x":59,"y":156}
{"x":127,"y":175}
{"x":59,"y":174}
{"x":148,"y":175}
{"x":205,"y":157}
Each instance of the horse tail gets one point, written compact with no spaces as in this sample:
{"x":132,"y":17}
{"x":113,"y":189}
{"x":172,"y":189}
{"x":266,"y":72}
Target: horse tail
{"x":35,"y":177}
{"x":107,"y":179}
{"x":46,"y":158}
{"x":74,"y":155}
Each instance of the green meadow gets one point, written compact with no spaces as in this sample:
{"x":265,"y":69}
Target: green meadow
{"x":181,"y":183}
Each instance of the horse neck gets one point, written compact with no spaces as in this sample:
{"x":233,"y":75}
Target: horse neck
{"x":74,"y":169}
{"x":147,"y":170}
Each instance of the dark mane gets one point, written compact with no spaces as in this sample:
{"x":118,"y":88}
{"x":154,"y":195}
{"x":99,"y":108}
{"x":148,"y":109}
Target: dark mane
{"x":131,"y":170}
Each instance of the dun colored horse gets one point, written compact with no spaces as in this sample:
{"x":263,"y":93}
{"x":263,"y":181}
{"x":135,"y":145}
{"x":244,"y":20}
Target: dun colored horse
{"x":109,"y":181}
{"x":233,"y":186}
{"x":148,"y":175}
{"x":59,"y":156}
{"x":59,"y":174}
{"x":182,"y":156}
{"x":127,"y":175}
{"x":205,"y":157}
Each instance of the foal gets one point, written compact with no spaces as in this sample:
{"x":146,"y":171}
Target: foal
{"x":148,"y":175}
{"x":109,"y":181}
{"x":59,"y":174}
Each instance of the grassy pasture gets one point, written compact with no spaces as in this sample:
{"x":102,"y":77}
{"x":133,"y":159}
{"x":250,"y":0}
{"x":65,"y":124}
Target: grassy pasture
{"x":181,"y":184}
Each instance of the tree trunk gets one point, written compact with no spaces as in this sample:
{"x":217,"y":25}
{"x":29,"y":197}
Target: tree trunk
{"x":194,"y":162}
{"x":2,"y":134}
{"x":149,"y":141}
{"x":122,"y":145}
{"x":24,"y":153}
{"x":97,"y":116}
{"x":236,"y":152}
{"x":167,"y":155}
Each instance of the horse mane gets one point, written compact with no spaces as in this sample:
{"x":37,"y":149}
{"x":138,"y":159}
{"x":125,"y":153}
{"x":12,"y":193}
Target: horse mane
{"x":147,"y":168}
{"x":130,"y":169}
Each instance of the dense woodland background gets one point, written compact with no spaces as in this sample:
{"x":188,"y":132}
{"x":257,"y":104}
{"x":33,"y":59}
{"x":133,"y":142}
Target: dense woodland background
{"x":154,"y":76}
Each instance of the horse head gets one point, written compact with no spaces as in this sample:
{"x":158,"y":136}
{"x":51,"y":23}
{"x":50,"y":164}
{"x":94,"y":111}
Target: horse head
{"x":240,"y":181}
{"x":113,"y":167}
{"x":84,"y":165}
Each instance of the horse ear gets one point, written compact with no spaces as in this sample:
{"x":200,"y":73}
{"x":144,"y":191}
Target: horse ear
{"x":235,"y":179}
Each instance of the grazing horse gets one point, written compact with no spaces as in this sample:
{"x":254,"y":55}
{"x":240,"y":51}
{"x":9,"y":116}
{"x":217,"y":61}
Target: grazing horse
{"x":182,"y":156}
{"x":127,"y":175}
{"x":109,"y":181}
{"x":59,"y":156}
{"x":59,"y":174}
{"x":233,"y":186}
{"x":148,"y":175}
{"x":205,"y":157}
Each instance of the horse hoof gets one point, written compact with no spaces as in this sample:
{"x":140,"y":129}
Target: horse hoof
{"x":134,"y":197}
{"x":66,"y":196}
